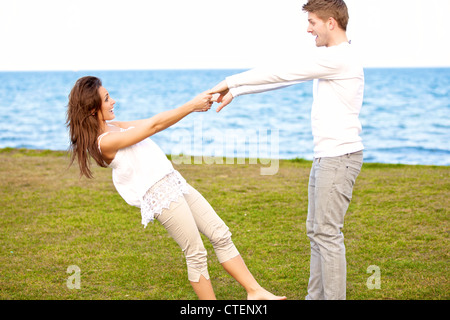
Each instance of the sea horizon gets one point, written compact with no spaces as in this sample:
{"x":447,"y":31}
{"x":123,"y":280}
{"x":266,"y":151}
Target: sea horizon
{"x":405,"y":114}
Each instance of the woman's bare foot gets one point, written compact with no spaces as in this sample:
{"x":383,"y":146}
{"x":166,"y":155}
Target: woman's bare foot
{"x":263,"y":294}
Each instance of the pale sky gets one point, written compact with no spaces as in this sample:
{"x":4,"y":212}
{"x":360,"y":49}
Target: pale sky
{"x":146,"y":34}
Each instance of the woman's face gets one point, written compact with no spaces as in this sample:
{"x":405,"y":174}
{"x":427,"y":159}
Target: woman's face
{"x":107,"y":111}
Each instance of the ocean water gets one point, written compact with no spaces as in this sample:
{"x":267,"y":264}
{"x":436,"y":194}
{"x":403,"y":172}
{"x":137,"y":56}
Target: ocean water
{"x":405,"y":115}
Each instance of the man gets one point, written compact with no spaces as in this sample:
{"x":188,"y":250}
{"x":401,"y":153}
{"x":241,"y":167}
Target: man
{"x":338,"y":95}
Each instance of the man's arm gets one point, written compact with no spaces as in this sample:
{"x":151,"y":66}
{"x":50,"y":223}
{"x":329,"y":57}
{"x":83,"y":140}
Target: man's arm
{"x":226,"y":95}
{"x":324,"y":65}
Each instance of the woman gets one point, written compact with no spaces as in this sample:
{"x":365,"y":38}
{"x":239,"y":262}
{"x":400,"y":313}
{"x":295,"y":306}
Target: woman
{"x":145,"y":178}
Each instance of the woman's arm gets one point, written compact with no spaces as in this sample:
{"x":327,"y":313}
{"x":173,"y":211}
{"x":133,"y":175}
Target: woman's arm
{"x":145,"y":128}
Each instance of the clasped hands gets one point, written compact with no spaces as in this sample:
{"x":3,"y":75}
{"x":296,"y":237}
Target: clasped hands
{"x":220,"y":94}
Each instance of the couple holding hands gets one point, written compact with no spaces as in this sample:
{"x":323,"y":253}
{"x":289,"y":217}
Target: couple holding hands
{"x":145,"y":178}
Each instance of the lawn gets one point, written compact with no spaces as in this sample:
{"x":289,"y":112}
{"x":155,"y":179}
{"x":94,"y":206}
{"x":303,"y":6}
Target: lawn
{"x":51,"y":221}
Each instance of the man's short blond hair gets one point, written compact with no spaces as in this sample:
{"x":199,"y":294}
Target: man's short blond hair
{"x":325,"y":9}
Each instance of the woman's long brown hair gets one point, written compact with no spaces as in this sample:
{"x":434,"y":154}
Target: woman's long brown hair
{"x":84,"y":128}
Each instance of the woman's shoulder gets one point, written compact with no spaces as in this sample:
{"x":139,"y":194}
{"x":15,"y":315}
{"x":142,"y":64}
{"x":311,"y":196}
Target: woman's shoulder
{"x":117,"y":126}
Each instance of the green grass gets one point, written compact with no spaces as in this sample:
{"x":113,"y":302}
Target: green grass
{"x":51,"y":219}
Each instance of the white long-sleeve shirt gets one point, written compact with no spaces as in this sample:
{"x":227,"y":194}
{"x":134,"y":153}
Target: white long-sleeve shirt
{"x":338,"y":95}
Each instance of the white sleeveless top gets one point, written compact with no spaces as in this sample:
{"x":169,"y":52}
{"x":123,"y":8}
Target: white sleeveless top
{"x":145,"y":178}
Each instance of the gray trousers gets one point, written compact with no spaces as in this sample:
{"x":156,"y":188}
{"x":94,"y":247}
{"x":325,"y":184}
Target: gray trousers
{"x":329,"y":194}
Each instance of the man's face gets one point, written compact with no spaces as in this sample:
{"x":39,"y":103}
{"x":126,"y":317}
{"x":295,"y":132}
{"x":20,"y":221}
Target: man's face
{"x":318,"y":28}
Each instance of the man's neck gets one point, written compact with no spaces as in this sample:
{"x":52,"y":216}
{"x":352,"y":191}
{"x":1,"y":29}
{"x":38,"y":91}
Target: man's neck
{"x":338,"y":39}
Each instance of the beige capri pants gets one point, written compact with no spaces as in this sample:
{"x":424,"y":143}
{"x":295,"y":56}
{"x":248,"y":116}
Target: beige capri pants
{"x":184,"y":220}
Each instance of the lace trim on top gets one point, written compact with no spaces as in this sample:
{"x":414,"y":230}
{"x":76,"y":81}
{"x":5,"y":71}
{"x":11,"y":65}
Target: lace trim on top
{"x":161,"y":195}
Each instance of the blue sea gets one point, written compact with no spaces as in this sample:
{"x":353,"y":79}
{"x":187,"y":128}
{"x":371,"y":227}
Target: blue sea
{"x":405,"y":115}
